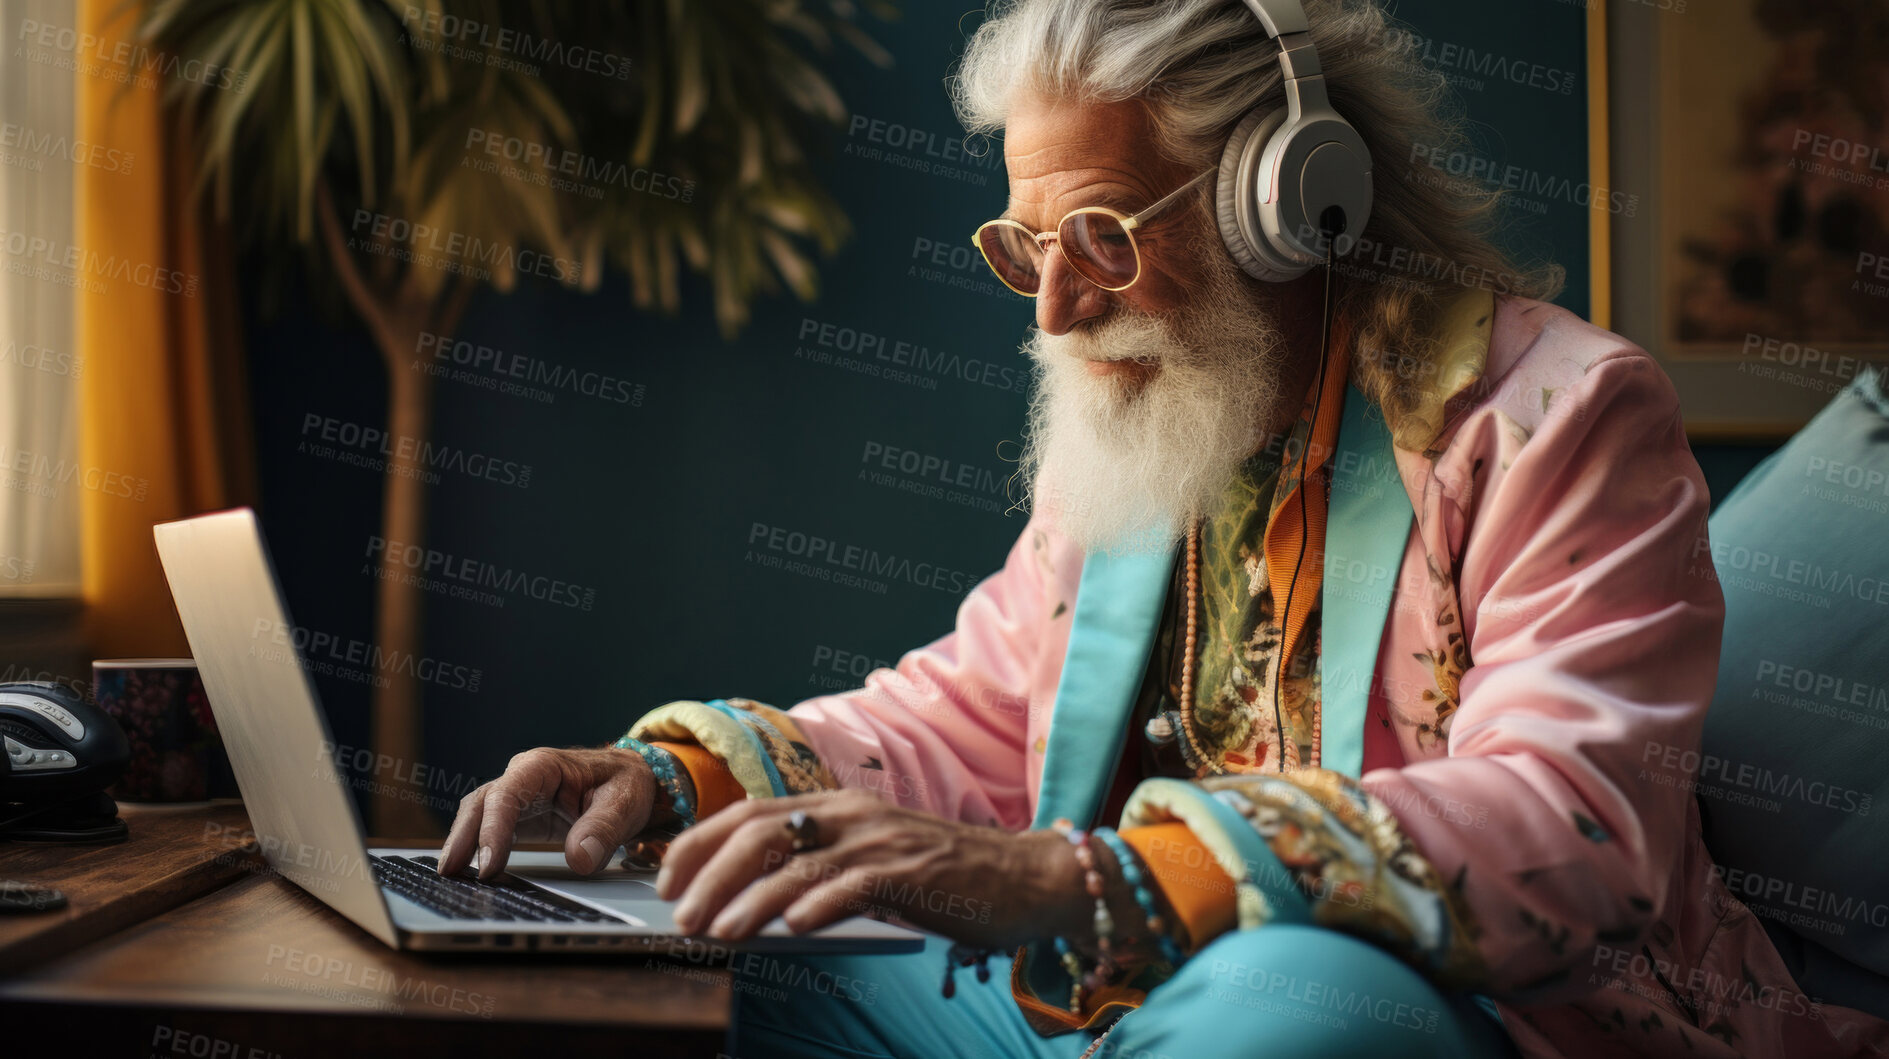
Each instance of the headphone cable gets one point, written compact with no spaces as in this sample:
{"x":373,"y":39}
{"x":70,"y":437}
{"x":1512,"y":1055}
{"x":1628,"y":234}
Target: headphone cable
{"x":1318,"y":396}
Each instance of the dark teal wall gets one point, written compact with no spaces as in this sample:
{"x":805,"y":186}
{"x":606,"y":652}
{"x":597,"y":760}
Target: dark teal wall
{"x":1519,"y":73}
{"x":650,"y":504}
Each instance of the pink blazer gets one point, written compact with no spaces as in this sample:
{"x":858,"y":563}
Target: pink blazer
{"x":1553,"y":630}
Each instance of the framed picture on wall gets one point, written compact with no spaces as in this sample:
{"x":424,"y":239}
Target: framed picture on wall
{"x":1752,"y":138}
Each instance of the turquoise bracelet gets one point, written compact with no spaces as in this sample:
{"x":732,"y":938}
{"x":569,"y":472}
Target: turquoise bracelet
{"x":1132,"y":875}
{"x":668,"y":776}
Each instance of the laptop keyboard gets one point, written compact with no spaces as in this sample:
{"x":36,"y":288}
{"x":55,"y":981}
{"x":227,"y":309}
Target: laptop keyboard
{"x":463,"y":897}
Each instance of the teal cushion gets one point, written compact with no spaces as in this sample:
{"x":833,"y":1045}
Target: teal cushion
{"x":1792,"y":784}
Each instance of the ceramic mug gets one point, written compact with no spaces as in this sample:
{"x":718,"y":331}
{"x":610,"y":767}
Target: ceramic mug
{"x":176,"y":752}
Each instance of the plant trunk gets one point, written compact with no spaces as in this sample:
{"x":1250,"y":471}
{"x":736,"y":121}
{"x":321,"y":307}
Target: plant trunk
{"x":397,"y":309}
{"x":399,"y":805}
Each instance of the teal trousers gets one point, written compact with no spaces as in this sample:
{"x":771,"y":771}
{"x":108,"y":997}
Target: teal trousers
{"x":1279,"y":991}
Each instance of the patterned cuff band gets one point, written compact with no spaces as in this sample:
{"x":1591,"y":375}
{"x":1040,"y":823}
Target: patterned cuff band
{"x":668,"y":772}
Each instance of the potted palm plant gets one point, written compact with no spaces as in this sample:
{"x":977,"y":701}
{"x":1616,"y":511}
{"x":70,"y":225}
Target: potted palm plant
{"x":418,"y":150}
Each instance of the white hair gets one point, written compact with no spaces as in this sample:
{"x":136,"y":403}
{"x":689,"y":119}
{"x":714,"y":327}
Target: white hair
{"x":1198,"y":66}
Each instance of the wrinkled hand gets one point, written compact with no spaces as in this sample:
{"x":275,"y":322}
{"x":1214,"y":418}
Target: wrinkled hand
{"x":594,"y":800}
{"x":736,"y":871}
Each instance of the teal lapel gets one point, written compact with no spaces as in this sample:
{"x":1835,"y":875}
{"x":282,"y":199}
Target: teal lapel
{"x":1111,"y":633}
{"x":1365,"y":532}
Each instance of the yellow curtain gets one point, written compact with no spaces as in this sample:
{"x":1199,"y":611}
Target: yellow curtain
{"x":163,"y":408}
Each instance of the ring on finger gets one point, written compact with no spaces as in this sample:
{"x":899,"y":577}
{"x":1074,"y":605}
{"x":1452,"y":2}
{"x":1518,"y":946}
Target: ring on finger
{"x":802,"y":830}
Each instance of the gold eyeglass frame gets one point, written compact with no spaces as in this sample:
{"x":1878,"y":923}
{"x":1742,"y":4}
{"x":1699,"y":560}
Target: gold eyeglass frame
{"x":1129,"y":223}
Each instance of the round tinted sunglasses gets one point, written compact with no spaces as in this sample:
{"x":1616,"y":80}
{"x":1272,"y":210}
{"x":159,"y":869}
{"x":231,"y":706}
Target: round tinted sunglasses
{"x":1098,"y":243}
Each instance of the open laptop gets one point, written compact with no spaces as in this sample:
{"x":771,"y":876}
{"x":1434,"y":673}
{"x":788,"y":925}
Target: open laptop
{"x":305,"y":821}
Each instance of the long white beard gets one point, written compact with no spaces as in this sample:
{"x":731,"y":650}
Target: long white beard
{"x":1126,"y":466}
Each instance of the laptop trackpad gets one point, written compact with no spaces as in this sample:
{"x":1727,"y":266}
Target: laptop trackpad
{"x":633,"y":895}
{"x":602,"y":888}
{"x":627,"y":894}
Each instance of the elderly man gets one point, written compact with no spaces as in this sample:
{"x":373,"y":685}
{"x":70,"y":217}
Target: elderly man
{"x":1361,"y":591}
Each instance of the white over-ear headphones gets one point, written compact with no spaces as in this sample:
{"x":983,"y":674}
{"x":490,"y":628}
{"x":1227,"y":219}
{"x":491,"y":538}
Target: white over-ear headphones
{"x":1290,"y":178}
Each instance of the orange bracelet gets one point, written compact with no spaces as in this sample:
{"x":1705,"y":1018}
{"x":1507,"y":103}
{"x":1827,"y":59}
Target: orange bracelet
{"x":1199,"y":891}
{"x":715,"y":787}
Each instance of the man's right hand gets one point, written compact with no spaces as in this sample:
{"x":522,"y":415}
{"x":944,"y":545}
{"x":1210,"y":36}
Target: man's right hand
{"x":594,"y":800}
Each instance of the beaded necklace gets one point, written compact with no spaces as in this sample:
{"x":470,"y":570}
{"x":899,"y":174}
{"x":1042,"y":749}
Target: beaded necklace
{"x":1187,"y":666}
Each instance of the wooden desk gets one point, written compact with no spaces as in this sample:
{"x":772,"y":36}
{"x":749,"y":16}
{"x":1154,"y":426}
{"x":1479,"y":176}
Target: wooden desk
{"x":183,"y":930}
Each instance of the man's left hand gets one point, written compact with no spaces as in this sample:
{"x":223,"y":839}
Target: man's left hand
{"x":737,"y":870}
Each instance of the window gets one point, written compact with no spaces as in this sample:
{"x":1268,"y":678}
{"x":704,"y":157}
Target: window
{"x":39,"y":365}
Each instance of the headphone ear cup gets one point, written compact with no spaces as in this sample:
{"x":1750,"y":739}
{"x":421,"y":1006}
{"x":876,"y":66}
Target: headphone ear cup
{"x":1234,"y":198}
